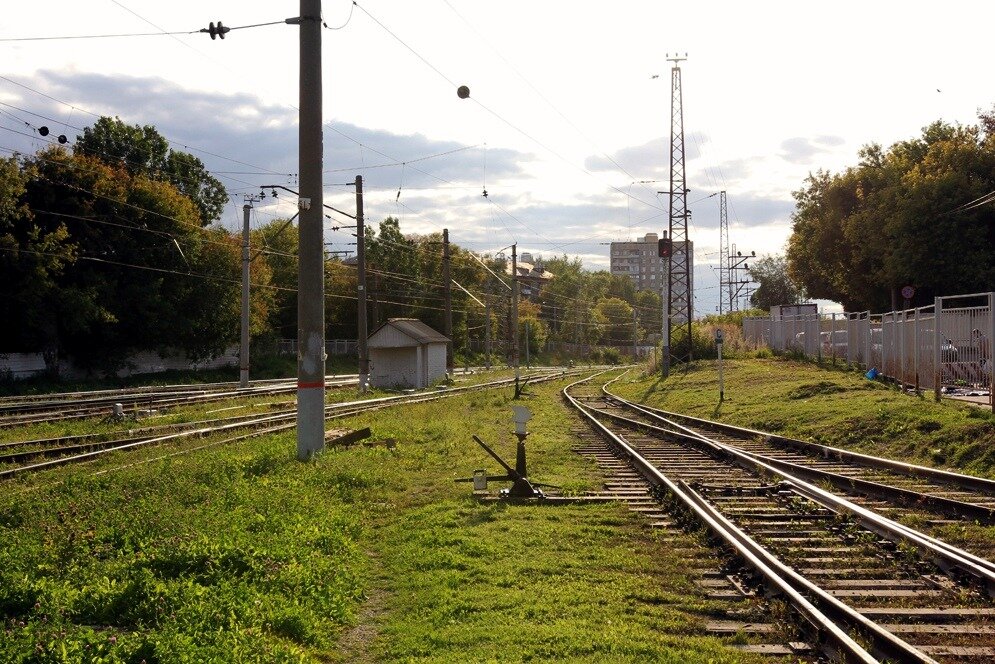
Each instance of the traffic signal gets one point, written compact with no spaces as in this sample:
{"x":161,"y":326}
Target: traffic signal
{"x":665,"y":247}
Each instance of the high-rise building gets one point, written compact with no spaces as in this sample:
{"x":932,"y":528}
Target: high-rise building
{"x":641,"y":262}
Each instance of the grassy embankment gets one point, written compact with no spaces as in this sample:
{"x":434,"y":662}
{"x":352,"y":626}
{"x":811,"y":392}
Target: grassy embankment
{"x":828,"y":405}
{"x":243,"y":554}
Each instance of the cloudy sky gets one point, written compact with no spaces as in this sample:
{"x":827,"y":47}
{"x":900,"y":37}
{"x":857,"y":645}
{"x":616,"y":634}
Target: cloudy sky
{"x":565,"y":123}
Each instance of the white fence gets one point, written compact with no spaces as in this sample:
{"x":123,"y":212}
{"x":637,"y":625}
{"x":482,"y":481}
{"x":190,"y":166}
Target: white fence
{"x":332,"y":347}
{"x":946,"y":344}
{"x":26,"y":365}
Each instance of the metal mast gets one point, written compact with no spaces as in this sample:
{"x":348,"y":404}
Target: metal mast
{"x":724,"y":275}
{"x":679,"y":296}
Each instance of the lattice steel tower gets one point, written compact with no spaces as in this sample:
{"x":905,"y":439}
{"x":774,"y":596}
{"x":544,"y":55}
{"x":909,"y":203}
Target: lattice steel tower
{"x":679,"y":295}
{"x":724,"y":274}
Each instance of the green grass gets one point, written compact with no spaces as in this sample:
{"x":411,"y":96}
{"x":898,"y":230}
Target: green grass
{"x":243,"y":554}
{"x":830,"y":406}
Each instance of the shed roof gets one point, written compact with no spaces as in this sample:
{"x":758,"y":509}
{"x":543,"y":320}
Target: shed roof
{"x":415,"y":329}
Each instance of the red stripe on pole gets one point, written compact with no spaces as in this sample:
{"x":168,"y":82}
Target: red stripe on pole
{"x":309,"y":386}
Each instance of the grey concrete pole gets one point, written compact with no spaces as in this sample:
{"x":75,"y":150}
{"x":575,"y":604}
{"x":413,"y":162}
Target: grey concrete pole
{"x":487,"y":335}
{"x":310,"y":282}
{"x":243,"y":348}
{"x":528,"y":360}
{"x":448,"y":291}
{"x":514,"y":313}
{"x":635,"y":333}
{"x":362,"y":331}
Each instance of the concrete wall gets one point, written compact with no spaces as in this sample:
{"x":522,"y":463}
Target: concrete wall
{"x":394,"y":367}
{"x":435,"y":363}
{"x":411,"y":367}
{"x":25,"y":365}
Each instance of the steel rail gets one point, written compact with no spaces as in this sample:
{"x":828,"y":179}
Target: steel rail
{"x":840,"y":643}
{"x":342,"y":409}
{"x":961,"y":480}
{"x":951,"y":559}
{"x":908,"y":497}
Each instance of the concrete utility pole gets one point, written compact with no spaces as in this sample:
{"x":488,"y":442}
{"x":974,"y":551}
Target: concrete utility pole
{"x":635,"y":333}
{"x":310,"y":280}
{"x":448,"y":329}
{"x":514,"y":314}
{"x":528,"y":360}
{"x":487,"y":335}
{"x":361,"y":332}
{"x":243,"y":348}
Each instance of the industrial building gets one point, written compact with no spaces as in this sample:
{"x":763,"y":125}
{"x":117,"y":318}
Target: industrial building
{"x":406,"y":353}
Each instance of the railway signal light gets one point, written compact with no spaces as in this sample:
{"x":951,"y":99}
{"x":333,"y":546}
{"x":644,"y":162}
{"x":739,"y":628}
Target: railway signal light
{"x":665,"y":247}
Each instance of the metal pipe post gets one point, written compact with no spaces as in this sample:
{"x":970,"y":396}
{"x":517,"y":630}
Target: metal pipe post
{"x":243,"y":348}
{"x":991,"y":355}
{"x":362,"y":331}
{"x":937,"y":367}
{"x":310,"y":284}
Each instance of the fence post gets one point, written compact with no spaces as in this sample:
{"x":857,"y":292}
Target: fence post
{"x":991,"y":356}
{"x":901,"y":350}
{"x":915,"y":354}
{"x":868,"y":342}
{"x":937,"y":368}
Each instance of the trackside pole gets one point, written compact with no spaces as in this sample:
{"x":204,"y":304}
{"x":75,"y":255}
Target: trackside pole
{"x":310,"y":281}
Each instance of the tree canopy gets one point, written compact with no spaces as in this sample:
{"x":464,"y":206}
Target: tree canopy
{"x":142,"y":150}
{"x":901,"y":216}
{"x":775,"y":284}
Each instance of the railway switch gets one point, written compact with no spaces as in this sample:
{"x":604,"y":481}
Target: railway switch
{"x":522,"y":486}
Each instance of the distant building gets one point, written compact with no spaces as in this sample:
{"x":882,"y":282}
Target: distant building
{"x":641,"y":262}
{"x":405,"y":352}
{"x":531,"y":276}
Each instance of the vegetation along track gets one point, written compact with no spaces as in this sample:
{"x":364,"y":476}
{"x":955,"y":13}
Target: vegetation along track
{"x":865,"y":587}
{"x":21,"y":457}
{"x":17,"y":412}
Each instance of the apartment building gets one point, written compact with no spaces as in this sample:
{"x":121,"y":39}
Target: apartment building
{"x":640,"y":262}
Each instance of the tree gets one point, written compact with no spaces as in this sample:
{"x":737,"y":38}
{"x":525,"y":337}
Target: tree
{"x":901,"y":216}
{"x":617,"y":315}
{"x":33,"y":255}
{"x":133,"y":268}
{"x":142,"y":150}
{"x":776,"y":286}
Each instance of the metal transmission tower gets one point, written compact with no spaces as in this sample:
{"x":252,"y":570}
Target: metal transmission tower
{"x":679,"y":295}
{"x":724,"y":274}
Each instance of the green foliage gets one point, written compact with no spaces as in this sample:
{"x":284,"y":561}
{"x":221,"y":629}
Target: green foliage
{"x":897,"y":219}
{"x":104,"y":260}
{"x":144,"y":151}
{"x":776,"y":286}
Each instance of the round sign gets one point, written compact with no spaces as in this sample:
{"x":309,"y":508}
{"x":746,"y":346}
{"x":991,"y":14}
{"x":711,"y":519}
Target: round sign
{"x":908,"y":292}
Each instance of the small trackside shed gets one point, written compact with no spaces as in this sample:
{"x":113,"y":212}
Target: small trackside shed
{"x":405,"y":352}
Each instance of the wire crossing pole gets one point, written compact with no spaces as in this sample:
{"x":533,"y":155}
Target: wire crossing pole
{"x":243,"y":348}
{"x":362,"y":332}
{"x":448,"y":324}
{"x":679,"y":296}
{"x":310,"y":284}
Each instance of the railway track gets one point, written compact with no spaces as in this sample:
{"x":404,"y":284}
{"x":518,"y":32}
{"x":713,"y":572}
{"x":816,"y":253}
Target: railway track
{"x":22,"y":457}
{"x":863,"y":586}
{"x":83,"y":405}
{"x":896,"y":489}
